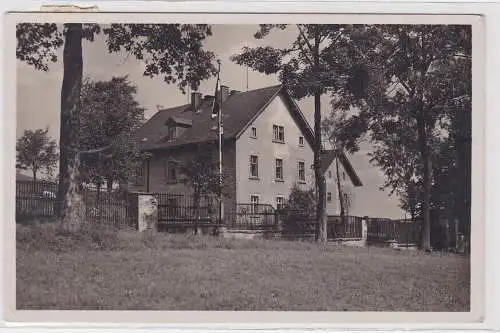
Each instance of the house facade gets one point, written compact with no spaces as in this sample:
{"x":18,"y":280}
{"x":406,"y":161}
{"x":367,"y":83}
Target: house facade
{"x":267,"y":146}
{"x":347,"y":179}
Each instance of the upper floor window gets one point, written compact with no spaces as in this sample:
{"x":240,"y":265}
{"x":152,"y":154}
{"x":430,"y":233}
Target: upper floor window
{"x":329,"y":196}
{"x":329,"y":173}
{"x":253,"y":132}
{"x":279,"y":169}
{"x":254,"y":166}
{"x":172,"y":132}
{"x":301,"y":141}
{"x":343,"y":175}
{"x":302,"y":171}
{"x":278,"y":133}
{"x":171,"y":172}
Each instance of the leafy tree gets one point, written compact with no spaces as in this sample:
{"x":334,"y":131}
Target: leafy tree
{"x":110,"y":117}
{"x":36,"y":151}
{"x":172,"y":50}
{"x":308,"y":69}
{"x":201,"y":174}
{"x":403,"y":76}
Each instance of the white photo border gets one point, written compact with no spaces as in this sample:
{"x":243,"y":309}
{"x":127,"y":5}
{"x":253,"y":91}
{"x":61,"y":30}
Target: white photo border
{"x":210,"y":12}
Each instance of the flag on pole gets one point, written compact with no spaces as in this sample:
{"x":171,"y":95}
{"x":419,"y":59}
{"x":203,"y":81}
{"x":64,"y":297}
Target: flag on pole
{"x":216,"y":100}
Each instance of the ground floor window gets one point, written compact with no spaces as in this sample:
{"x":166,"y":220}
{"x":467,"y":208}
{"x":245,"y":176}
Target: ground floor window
{"x":280,"y":201}
{"x":254,"y":200}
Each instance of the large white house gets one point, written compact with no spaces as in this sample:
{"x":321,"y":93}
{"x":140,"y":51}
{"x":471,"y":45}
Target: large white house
{"x":267,"y":147}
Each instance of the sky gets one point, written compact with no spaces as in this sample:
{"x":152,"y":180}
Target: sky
{"x":38,"y":97}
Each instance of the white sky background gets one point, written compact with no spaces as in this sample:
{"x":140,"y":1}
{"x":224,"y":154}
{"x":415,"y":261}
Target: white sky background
{"x":38,"y":97}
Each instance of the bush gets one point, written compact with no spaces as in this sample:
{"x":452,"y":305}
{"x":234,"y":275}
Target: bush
{"x":298,"y":215}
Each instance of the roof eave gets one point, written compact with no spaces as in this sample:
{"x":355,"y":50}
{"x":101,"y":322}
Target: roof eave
{"x":350,"y":170}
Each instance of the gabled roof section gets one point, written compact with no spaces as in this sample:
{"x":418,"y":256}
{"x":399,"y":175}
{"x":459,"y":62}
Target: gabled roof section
{"x":238,"y":110}
{"x":327,"y":158}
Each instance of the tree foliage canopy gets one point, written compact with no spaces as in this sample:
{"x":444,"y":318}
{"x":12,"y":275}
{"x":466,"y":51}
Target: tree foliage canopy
{"x":36,"y":151}
{"x":110,"y":117}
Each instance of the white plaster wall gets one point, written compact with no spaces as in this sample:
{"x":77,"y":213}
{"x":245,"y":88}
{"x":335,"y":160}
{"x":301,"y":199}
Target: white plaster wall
{"x":263,"y":146}
{"x":333,"y":207}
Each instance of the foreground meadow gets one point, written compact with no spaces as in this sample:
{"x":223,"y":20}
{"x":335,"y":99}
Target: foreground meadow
{"x":104,"y":270}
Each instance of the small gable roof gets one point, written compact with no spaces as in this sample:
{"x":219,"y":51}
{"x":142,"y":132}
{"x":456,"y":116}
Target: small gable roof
{"x":180,"y":121}
{"x":327,"y":158}
{"x":238,"y":111}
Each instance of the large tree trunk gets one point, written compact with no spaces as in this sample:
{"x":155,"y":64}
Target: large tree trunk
{"x":69,"y":195}
{"x":109,"y":185}
{"x":424,"y":151}
{"x":339,"y":190}
{"x":196,"y":207}
{"x":321,"y":221}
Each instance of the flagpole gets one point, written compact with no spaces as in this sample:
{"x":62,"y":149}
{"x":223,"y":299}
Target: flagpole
{"x":218,"y":96}
{"x":221,"y":207}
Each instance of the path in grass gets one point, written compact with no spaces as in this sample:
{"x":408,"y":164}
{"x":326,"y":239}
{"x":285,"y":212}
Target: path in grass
{"x":301,"y":277}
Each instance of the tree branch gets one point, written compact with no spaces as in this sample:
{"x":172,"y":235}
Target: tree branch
{"x":301,"y":45}
{"x":105,"y":149}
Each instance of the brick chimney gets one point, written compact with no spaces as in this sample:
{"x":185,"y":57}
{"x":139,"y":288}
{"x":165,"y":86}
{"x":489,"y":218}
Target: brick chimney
{"x":195,"y":100}
{"x":224,"y":93}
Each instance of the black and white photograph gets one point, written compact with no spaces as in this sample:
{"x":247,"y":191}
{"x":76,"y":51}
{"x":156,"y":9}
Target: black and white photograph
{"x":243,"y":167}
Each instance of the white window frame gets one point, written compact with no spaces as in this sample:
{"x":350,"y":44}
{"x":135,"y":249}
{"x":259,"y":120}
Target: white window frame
{"x":329,"y":196}
{"x":303,"y":169}
{"x":276,"y":169}
{"x":256,"y":167}
{"x":282,"y":203}
{"x":254,"y":208}
{"x":172,"y":132}
{"x":277,"y":130}
{"x":253,"y":132}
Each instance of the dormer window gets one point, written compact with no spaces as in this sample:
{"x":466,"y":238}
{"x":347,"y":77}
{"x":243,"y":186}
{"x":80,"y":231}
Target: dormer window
{"x":172,"y":132}
{"x":176,"y":126}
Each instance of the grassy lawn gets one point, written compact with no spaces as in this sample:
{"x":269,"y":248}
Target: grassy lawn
{"x":125,"y":271}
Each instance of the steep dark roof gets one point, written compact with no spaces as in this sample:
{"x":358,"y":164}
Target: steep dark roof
{"x":328,"y":156}
{"x":238,"y":110}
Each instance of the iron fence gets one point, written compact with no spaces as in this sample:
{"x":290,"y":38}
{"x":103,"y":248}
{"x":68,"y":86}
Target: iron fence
{"x":38,"y":200}
{"x":180,"y":210}
{"x":247,"y":216}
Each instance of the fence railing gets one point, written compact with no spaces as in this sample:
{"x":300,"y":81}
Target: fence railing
{"x":386,"y":230}
{"x":35,"y":200}
{"x":119,"y":209}
{"x":180,"y":210}
{"x":350,"y":228}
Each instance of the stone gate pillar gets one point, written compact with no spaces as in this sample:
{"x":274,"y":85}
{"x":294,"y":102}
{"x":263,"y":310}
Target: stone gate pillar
{"x":147,"y":206}
{"x":364,"y":230}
